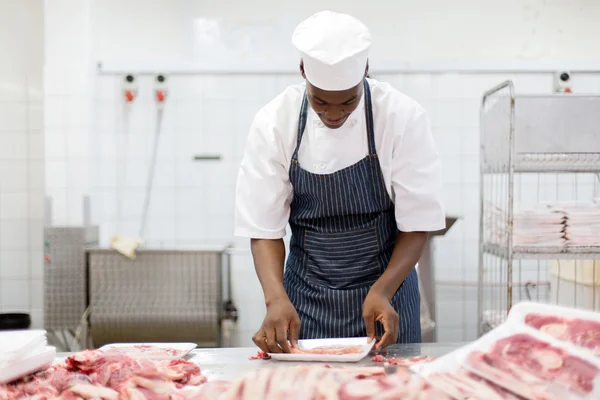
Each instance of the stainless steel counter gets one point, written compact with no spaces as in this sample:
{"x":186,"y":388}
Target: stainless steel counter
{"x":231,"y":363}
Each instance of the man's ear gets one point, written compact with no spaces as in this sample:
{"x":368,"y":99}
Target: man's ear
{"x":367,"y":70}
{"x":302,"y":69}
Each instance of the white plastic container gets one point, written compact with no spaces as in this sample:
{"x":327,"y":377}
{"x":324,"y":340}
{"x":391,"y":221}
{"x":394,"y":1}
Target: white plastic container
{"x":576,"y":283}
{"x":17,"y":344}
{"x":582,"y":271}
{"x":31,"y":363}
{"x":446,"y":374}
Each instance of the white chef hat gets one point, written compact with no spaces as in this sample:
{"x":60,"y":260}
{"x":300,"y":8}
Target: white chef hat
{"x":334,"y":48}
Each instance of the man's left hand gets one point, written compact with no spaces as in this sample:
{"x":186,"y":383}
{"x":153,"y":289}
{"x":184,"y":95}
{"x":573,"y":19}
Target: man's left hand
{"x":377,"y":307}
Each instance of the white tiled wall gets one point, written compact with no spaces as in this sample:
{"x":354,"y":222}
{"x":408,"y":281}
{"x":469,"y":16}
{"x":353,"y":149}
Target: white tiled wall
{"x":68,"y":112}
{"x":21,"y":158}
{"x":97,"y":146}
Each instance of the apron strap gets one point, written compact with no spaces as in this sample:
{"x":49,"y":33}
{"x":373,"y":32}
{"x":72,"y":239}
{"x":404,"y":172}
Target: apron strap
{"x":369,"y":118}
{"x":301,"y":126}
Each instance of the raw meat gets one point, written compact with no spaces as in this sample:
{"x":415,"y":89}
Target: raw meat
{"x":402,"y":361}
{"x":260,"y":355}
{"x":322,"y":382}
{"x":329,"y":350}
{"x":144,"y":350}
{"x":212,"y":390}
{"x":530,"y":367}
{"x":583,"y":333}
{"x":463,"y":384}
{"x":87,"y":391}
{"x":109,"y":375}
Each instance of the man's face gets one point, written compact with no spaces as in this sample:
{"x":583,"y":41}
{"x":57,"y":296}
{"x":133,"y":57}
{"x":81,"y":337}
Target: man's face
{"x":334,"y":107}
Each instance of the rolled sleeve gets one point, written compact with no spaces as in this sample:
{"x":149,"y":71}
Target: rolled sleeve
{"x":417,"y":177}
{"x":263,"y":190}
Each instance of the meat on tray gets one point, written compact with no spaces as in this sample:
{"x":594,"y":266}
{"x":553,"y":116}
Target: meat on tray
{"x":534,"y":369}
{"x":402,"y":361}
{"x":332,"y":350}
{"x":583,"y":333}
{"x":463,"y":384}
{"x":146,"y":350}
{"x":96,"y":374}
{"x":321,"y":382}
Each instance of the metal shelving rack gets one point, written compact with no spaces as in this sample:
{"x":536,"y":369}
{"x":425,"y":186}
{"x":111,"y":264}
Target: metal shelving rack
{"x":534,"y":149}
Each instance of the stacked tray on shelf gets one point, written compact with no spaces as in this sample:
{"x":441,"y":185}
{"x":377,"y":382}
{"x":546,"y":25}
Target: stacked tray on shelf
{"x":582,"y":227}
{"x":546,"y":225}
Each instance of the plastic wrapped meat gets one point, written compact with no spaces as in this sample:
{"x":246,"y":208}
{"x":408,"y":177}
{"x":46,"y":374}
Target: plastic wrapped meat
{"x":535,"y":369}
{"x":581,"y":332}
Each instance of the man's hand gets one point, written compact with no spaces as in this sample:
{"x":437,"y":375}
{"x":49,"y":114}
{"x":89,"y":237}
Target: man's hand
{"x":280,"y":325}
{"x":377,"y":307}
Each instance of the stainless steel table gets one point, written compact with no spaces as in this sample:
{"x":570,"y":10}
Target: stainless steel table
{"x":231,"y":363}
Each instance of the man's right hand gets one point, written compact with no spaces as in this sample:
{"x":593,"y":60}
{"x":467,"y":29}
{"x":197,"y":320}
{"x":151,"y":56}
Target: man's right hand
{"x":280,"y":325}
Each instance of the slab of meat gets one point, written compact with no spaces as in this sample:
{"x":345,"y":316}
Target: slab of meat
{"x":336,"y":350}
{"x":111,"y":369}
{"x":581,"y":332}
{"x":463,"y":384}
{"x":212,"y":390}
{"x":108,"y":375}
{"x":145,"y":350}
{"x":328,"y":383}
{"x":534,"y":369}
{"x":260,"y":355}
{"x":402,"y":361}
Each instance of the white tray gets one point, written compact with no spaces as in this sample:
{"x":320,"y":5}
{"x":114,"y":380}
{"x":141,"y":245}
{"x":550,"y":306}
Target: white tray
{"x":157,"y":351}
{"x":312,"y":343}
{"x":27,"y":365}
{"x":550,"y":390}
{"x":17,"y":344}
{"x":520,"y":310}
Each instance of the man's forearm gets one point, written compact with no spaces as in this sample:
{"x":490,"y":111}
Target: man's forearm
{"x":407,"y":251}
{"x":269,"y":257}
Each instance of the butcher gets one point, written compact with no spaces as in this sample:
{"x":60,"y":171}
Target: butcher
{"x":350,"y":164}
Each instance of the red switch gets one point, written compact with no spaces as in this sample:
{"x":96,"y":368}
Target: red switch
{"x":129,"y":96}
{"x":160,"y":96}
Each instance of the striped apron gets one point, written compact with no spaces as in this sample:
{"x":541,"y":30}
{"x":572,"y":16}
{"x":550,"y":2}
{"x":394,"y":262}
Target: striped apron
{"x":343,"y":234}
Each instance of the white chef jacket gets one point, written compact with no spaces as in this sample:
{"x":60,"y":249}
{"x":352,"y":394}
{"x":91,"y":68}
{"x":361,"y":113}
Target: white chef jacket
{"x":404,"y":143}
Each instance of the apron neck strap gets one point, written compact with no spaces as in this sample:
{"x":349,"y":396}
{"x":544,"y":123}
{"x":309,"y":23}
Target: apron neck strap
{"x":369,"y":118}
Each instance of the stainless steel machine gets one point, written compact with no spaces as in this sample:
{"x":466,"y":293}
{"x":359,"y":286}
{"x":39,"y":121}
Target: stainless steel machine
{"x":65,"y":281}
{"x":175,"y":294}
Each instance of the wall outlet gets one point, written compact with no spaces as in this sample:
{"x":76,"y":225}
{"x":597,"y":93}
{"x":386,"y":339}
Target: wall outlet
{"x":562,"y":82}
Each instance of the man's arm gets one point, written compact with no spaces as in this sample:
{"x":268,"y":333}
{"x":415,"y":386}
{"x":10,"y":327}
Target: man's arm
{"x":416,"y":192}
{"x":377,"y":305}
{"x":407,"y":251}
{"x":281,"y":322}
{"x":269,"y":257}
